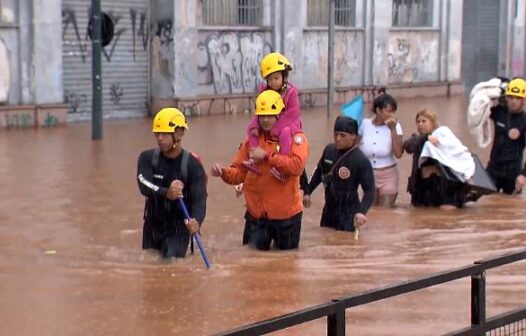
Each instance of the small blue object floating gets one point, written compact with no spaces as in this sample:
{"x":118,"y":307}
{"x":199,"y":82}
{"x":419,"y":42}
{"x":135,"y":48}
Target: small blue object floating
{"x":353,"y":109}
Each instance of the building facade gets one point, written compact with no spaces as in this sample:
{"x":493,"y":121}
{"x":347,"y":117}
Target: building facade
{"x":203,"y":55}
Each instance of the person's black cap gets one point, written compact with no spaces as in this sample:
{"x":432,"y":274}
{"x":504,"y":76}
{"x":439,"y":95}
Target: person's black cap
{"x":345,"y":125}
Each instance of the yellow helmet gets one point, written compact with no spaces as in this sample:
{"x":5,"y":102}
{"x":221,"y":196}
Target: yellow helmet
{"x":274,"y":62}
{"x":269,"y":102}
{"x":516,"y":87}
{"x":167,"y":119}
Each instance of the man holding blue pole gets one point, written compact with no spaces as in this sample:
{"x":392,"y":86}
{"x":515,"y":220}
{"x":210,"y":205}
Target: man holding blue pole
{"x":165,"y":176}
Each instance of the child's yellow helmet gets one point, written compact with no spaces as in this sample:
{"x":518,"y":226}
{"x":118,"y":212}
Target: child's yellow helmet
{"x":269,"y":102}
{"x":274,"y":62}
{"x":167,"y":119}
{"x":516,"y":87}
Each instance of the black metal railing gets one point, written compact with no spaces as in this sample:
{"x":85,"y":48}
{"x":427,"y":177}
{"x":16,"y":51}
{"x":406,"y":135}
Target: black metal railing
{"x":509,"y":323}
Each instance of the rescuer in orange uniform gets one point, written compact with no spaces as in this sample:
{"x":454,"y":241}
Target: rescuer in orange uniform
{"x":274,"y":207}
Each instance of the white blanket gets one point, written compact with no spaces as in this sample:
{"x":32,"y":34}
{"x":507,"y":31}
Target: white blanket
{"x":450,"y":152}
{"x":482,"y":98}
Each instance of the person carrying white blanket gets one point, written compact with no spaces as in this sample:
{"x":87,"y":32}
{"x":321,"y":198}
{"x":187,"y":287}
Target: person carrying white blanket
{"x":446,"y":148}
{"x":482,"y":98}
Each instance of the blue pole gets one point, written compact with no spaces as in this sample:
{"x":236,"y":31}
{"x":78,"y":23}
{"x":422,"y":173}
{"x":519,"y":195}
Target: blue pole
{"x":196,"y":235}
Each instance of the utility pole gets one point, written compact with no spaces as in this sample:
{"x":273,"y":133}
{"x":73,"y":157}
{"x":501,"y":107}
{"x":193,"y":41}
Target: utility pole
{"x":330,"y":59}
{"x":96,"y":71}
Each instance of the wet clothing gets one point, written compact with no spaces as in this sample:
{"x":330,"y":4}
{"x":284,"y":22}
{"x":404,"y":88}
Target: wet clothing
{"x":481,"y":100}
{"x":506,"y":153}
{"x":414,"y":146}
{"x":376,"y":143}
{"x":164,"y":227}
{"x":341,"y":172}
{"x":435,"y":190}
{"x":386,"y":180}
{"x":259,"y":233}
{"x":450,"y":152}
{"x":271,"y":203}
{"x":288,"y":123}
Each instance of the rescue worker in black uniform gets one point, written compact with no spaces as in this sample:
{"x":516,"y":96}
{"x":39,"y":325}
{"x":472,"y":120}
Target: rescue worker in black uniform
{"x":342,"y":168}
{"x":504,"y":166}
{"x":164,"y":175}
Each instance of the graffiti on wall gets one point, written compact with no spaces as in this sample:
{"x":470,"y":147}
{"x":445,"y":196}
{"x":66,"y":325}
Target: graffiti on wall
{"x":19,"y":120}
{"x":115,"y":18}
{"x":347,"y":58}
{"x":76,"y":42}
{"x":78,"y":103}
{"x":70,"y":18}
{"x":400,"y":64}
{"x":141,"y":31}
{"x":412,"y":58}
{"x":230,"y":61}
{"x":129,"y":44}
{"x":162,"y":58}
{"x":116,"y":93}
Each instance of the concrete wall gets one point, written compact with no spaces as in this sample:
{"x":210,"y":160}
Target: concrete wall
{"x":382,"y":24}
{"x":373,"y":53}
{"x":519,"y":40}
{"x":512,"y":38}
{"x":9,"y":53}
{"x":162,"y":54}
{"x":46,"y":64}
{"x":30,"y":52}
{"x":413,"y":57}
{"x":348,"y":59}
{"x":452,"y":31}
{"x":228,"y":61}
{"x":185,"y":47}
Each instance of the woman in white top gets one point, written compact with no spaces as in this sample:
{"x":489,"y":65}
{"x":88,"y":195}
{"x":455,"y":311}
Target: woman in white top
{"x":381,"y":141}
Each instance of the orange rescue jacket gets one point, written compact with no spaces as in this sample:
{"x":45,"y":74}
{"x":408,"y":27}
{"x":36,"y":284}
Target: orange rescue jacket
{"x":266,"y":196}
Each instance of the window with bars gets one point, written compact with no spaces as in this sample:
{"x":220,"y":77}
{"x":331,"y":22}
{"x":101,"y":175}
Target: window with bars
{"x":232,"y":12}
{"x":318,"y":13}
{"x":412,"y":13}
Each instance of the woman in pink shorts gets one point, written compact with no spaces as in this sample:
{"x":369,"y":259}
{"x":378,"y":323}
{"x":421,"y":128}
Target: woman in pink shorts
{"x":382,"y":141}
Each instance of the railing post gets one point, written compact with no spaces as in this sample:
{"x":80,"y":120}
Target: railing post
{"x":478,"y":299}
{"x":336,"y":321}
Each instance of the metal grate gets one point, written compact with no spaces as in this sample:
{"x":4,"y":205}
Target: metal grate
{"x":412,"y":13}
{"x":232,"y":12}
{"x":318,"y":13}
{"x":517,"y":328}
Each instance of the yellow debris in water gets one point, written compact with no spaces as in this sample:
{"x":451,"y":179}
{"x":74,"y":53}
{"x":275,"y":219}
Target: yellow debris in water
{"x":51,"y":252}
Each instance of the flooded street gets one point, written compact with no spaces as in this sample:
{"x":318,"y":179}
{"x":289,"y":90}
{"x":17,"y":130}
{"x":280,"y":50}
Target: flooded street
{"x":71,"y":261}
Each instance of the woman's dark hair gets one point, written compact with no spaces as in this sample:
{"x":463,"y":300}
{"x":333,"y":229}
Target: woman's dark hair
{"x":384,"y":100}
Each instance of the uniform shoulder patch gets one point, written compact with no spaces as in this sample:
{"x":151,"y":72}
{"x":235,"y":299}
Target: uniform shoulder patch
{"x":298,"y":139}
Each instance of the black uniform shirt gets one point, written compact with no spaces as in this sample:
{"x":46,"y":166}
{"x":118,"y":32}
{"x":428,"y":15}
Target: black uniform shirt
{"x":507,"y":152}
{"x":341,"y":187}
{"x":154,"y":184}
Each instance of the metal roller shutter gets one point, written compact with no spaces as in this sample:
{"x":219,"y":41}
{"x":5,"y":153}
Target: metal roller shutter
{"x":480,"y":32}
{"x":125,"y":63}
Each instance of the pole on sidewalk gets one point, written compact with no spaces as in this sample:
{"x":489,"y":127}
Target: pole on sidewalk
{"x":330,"y":59}
{"x":96,"y":71}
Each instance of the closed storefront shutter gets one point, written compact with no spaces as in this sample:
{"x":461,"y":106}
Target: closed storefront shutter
{"x":125,"y":62}
{"x":480,"y":31}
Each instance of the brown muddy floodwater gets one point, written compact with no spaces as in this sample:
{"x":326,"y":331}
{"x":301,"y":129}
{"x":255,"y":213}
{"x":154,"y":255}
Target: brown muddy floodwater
{"x":71,"y":261}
